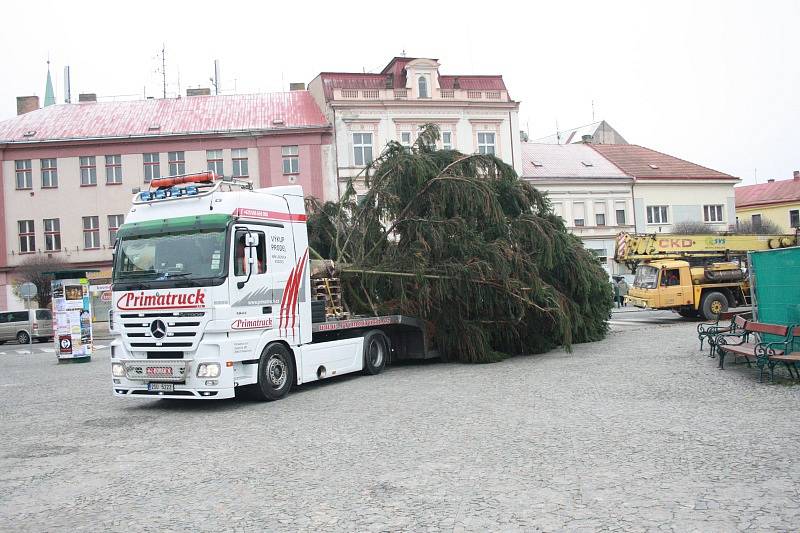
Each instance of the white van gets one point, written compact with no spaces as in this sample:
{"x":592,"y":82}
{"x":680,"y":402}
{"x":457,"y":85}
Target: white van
{"x":22,"y":325}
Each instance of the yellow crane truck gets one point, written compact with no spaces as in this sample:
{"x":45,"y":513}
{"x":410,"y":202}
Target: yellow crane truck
{"x":693,"y":275}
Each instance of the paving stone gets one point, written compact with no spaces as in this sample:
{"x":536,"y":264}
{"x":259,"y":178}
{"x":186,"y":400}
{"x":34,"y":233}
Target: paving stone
{"x":638,"y":432}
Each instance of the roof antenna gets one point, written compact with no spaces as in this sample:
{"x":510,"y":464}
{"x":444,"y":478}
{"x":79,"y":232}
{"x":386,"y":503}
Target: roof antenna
{"x":164,"y":67}
{"x":558,"y":134}
{"x":403,"y":53}
{"x":592,"y":110}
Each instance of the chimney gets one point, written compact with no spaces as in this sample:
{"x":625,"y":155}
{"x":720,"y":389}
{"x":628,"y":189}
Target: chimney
{"x":587,"y":139}
{"x":300,"y":86}
{"x":796,"y":175}
{"x":771,"y":180}
{"x":87,"y":97}
{"x":26,"y":104}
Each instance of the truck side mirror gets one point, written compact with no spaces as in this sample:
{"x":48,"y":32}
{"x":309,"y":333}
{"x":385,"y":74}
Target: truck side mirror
{"x":251,"y":240}
{"x":251,"y":263}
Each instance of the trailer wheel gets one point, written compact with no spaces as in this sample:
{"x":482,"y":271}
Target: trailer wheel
{"x":275,"y":373}
{"x":376,"y":352}
{"x":714,"y":303}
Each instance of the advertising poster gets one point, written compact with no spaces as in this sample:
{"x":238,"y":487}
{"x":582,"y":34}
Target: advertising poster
{"x":72,"y":318}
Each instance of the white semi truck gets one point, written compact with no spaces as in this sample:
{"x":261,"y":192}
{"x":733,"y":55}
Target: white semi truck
{"x":211,"y":293}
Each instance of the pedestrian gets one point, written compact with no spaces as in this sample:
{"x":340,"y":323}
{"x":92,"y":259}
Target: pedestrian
{"x":616,"y":292}
{"x":622,"y":287}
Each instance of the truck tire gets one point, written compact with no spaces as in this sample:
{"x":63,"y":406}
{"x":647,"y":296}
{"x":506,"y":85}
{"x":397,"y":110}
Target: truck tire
{"x":714,"y":303}
{"x":687,"y":313}
{"x":275,"y":373}
{"x":376,"y":352}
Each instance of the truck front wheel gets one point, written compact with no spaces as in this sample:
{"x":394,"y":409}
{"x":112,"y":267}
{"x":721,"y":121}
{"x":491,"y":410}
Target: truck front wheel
{"x":275,"y":373}
{"x":376,"y":352}
{"x":714,"y":303}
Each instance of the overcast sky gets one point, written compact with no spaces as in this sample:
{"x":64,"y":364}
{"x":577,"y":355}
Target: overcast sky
{"x":717,"y":83}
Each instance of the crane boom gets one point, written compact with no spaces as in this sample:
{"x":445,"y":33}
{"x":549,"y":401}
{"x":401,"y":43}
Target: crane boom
{"x":632,"y":248}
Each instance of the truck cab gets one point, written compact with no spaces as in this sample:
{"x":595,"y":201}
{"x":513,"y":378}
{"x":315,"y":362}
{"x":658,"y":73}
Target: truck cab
{"x":662,"y":284}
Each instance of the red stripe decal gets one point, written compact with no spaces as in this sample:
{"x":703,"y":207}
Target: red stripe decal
{"x":268,"y":215}
{"x":285,"y":296}
{"x":298,"y":285}
{"x":291,"y":304}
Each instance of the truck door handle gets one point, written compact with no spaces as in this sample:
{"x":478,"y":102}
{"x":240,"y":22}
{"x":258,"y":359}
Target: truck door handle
{"x":266,"y":310}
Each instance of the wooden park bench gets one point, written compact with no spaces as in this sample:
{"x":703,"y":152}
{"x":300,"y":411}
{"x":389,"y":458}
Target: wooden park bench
{"x":748,"y":341}
{"x":787,"y":352}
{"x":706,"y":331}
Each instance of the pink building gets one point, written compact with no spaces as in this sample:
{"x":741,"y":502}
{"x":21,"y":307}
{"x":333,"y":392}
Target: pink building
{"x":69,"y":171}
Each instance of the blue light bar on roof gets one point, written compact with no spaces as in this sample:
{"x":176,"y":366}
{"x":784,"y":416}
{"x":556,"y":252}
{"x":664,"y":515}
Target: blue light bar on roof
{"x":173,"y":192}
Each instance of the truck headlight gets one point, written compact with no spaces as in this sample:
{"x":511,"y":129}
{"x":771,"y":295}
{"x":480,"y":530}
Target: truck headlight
{"x":208,"y":370}
{"x":118,"y":370}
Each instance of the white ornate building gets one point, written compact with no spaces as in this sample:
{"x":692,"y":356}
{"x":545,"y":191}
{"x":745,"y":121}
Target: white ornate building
{"x":474,"y":113}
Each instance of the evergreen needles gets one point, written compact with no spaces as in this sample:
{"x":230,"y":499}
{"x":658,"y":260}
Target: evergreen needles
{"x":459,"y":241}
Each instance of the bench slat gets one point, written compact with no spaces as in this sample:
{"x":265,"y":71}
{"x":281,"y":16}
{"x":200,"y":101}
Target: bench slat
{"x":770,"y":329}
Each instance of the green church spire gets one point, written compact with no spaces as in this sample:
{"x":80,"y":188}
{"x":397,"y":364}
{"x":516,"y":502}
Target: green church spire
{"x":49,"y":96}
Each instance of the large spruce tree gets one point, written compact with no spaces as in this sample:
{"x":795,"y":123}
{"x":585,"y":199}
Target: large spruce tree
{"x":461,"y":242}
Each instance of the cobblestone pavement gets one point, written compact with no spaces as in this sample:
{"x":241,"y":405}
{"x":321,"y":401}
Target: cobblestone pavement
{"x":637,"y":432}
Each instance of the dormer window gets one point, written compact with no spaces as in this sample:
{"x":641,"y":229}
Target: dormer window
{"x":423,"y":87}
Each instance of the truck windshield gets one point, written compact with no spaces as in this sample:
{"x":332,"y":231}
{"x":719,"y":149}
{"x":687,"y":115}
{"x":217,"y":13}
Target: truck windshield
{"x":646,"y":277}
{"x":186,"y":257}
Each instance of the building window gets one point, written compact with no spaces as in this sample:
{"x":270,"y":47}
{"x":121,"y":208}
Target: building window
{"x":214,"y":160}
{"x":486,"y":143}
{"x":712,"y":213}
{"x":27,"y":237}
{"x":114,"y":222}
{"x":240,"y":167}
{"x":447,"y":140}
{"x":91,"y":233}
{"x":24,"y":174}
{"x":558,"y":209}
{"x":794,"y":218}
{"x":756,"y":221}
{"x":579,"y":214}
{"x":600,"y":214}
{"x":291,"y":159}
{"x":657,"y":214}
{"x":113,"y":169}
{"x":362,"y":149}
{"x":152,"y":167}
{"x":620,"y":213}
{"x":52,"y":234}
{"x":423,"y":87}
{"x":405,"y":138}
{"x":49,"y":174}
{"x":88,"y":170}
{"x":177,"y":163}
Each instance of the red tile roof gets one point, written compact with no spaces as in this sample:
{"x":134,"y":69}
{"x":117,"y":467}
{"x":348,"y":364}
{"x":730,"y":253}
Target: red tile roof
{"x":473,"y":83}
{"x":351,"y":80}
{"x":776,"y":192}
{"x":171,"y":116}
{"x":643,"y":163}
{"x":396,"y":70}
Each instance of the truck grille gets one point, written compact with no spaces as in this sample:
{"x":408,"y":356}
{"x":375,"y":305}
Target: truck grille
{"x":182,"y":330}
{"x":156,"y":370}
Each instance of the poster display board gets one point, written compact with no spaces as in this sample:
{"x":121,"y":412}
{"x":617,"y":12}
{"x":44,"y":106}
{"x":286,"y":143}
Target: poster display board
{"x":72,"y":318}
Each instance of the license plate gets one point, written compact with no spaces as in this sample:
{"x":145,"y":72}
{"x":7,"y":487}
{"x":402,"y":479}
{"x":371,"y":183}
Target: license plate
{"x":159,"y":371}
{"x":161,"y":387}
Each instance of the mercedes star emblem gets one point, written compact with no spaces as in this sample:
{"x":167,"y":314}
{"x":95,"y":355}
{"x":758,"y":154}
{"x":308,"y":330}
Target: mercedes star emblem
{"x":158,"y":329}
